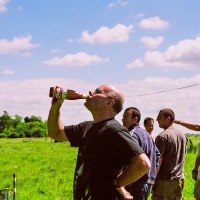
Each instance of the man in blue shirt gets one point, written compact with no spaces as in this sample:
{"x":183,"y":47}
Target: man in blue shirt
{"x":141,"y":189}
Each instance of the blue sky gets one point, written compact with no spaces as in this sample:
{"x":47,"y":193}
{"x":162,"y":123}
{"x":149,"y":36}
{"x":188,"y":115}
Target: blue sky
{"x":141,"y":46}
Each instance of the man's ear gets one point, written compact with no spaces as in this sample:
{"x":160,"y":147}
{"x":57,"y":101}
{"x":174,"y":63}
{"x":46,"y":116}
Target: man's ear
{"x":111,"y":102}
{"x":135,"y":119}
{"x":168,"y":119}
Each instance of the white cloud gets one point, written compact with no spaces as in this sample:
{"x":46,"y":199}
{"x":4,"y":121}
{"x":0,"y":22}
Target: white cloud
{"x":80,"y":59}
{"x":19,"y":8}
{"x":136,"y":64}
{"x":185,"y":54}
{"x":152,"y":42}
{"x":3,"y":4}
{"x":104,"y":35}
{"x":16,"y":98}
{"x":16,"y":45}
{"x":55,"y":51}
{"x":153,"y":23}
{"x":7,"y":72}
{"x":140,"y":15}
{"x":70,"y":40}
{"x":117,"y":3}
{"x":26,"y":54}
{"x":186,"y":51}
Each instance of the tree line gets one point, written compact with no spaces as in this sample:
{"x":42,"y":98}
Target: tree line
{"x":17,"y":127}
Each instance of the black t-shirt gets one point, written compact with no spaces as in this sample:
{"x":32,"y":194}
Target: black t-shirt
{"x":104,"y":148}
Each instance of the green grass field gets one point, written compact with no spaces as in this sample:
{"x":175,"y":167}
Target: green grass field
{"x":45,"y":169}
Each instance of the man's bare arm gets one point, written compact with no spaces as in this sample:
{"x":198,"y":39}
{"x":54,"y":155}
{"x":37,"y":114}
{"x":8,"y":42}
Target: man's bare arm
{"x":197,"y":163}
{"x":137,"y":167}
{"x":194,"y":127}
{"x":196,"y":167}
{"x":54,"y":125}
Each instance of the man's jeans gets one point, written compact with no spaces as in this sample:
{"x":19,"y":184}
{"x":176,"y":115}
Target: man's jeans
{"x":139,"y":190}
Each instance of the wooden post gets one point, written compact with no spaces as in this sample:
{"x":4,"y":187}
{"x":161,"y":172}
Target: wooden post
{"x":14,"y":187}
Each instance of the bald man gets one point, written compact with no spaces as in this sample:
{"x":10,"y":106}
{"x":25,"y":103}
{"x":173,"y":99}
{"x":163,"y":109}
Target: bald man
{"x":104,"y":145}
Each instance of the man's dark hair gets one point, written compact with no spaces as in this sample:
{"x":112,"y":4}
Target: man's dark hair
{"x":135,"y":112}
{"x":148,"y":119}
{"x":166,"y":112}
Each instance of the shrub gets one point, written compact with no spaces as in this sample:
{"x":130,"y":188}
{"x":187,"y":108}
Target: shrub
{"x":3,"y":135}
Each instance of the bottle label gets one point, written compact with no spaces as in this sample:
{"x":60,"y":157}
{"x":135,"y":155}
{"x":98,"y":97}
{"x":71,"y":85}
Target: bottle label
{"x":56,"y":92}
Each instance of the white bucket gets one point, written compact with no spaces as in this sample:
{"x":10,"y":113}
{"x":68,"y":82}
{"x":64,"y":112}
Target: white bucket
{"x":5,"y":194}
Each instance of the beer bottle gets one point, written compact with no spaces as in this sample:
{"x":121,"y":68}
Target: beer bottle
{"x":68,"y":94}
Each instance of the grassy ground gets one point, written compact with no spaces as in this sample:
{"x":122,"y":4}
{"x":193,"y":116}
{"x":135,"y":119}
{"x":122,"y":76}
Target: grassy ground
{"x":45,"y":169}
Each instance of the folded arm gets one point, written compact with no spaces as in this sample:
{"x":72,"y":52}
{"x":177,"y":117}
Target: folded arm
{"x":137,"y":167}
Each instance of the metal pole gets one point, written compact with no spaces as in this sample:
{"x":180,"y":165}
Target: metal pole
{"x":14,"y":187}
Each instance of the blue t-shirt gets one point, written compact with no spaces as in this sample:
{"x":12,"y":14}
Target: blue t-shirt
{"x":147,"y":144}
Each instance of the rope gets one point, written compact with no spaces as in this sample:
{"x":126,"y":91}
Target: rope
{"x":163,"y":91}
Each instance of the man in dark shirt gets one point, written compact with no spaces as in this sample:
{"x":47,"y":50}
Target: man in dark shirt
{"x":141,"y":189}
{"x":104,"y":145}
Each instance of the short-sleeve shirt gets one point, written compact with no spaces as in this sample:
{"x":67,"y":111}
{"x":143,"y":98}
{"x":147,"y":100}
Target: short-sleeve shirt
{"x":146,"y":142}
{"x":172,"y":146}
{"x":104,"y":148}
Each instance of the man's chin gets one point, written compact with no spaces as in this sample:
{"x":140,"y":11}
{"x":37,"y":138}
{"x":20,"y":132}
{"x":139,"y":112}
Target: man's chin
{"x":86,"y":105}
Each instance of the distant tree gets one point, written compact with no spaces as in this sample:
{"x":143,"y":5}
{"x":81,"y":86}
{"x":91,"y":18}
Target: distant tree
{"x":32,"y":119}
{"x":37,"y":132}
{"x":5,"y":121}
{"x":21,"y":129}
{"x":11,"y":132}
{"x":17,"y":120}
{"x":37,"y":129}
{"x":36,"y":119}
{"x":16,"y":128}
{"x":27,"y":119}
{"x":3,"y":135}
